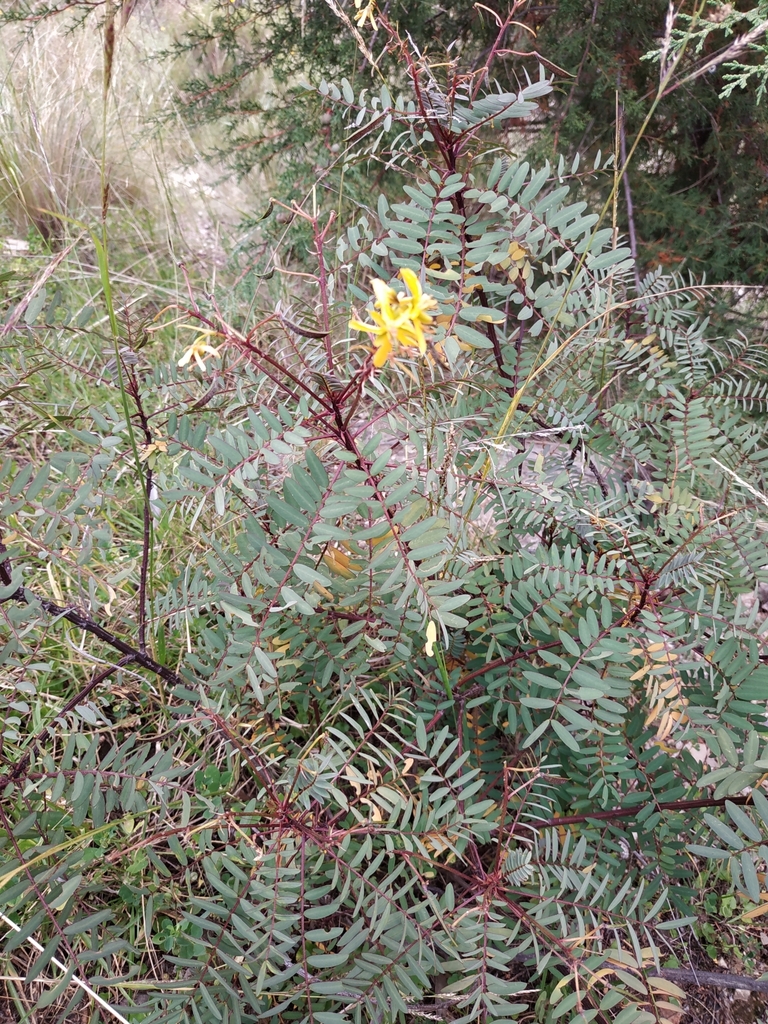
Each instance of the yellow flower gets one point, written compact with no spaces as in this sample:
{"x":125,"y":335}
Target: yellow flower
{"x":418,"y":305}
{"x":366,"y":14}
{"x":198,"y":349}
{"x":398,"y":318}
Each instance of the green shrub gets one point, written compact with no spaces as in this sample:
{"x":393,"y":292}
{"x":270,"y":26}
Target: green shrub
{"x":403,"y":662}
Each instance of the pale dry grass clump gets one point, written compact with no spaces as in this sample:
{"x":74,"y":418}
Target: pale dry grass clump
{"x":47,"y":131}
{"x":52,"y":123}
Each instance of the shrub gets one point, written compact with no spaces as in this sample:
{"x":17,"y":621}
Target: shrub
{"x":408,"y":639}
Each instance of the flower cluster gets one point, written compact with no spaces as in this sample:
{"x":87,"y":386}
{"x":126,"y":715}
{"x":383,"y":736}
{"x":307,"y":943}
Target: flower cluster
{"x":398,"y":318}
{"x":365,"y":13}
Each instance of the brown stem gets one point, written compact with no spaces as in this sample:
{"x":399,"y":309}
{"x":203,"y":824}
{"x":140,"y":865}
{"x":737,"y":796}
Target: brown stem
{"x":282,"y":369}
{"x":529,"y":652}
{"x":145,"y":549}
{"x":628,"y":198}
{"x":630,"y":812}
{"x":486,"y":70}
{"x":249,"y":754}
{"x":79,"y":697}
{"x":518,"y":354}
{"x":82,"y":621}
{"x":490,"y":330}
{"x":320,"y":237}
{"x":134,"y":390}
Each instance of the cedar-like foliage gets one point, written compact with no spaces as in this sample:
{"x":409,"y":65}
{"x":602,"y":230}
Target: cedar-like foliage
{"x":695,"y":199}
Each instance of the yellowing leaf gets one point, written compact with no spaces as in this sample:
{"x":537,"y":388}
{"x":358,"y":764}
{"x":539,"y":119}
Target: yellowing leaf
{"x":340,"y":562}
{"x":375,"y":811}
{"x":663,"y":985}
{"x":757,"y":911}
{"x":352,"y":779}
{"x":604,"y":972}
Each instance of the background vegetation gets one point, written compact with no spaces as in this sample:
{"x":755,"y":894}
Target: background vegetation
{"x":412,"y":672}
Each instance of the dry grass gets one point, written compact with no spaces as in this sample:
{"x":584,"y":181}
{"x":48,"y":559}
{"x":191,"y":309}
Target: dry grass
{"x":51,"y":129}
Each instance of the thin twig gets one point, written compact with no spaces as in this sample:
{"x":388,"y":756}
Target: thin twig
{"x":134,"y":389}
{"x":629,"y":812}
{"x":730,"y":53}
{"x":490,"y":330}
{"x":320,"y":237}
{"x":82,"y":621}
{"x":628,"y":199}
{"x":69,"y":706}
{"x":145,"y":550}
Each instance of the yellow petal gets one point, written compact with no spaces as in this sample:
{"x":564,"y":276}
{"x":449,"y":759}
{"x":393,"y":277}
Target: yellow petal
{"x":418,"y":336}
{"x":382,"y":352}
{"x":429,"y":646}
{"x":411,"y":282}
{"x":381,"y":323}
{"x":358,"y":325}
{"x":384,"y":294}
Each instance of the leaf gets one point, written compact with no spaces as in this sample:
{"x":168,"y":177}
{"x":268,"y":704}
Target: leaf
{"x":35,"y":306}
{"x":749,"y":876}
{"x":743,"y":822}
{"x":565,"y":735}
{"x":722,"y":831}
{"x":327,"y":959}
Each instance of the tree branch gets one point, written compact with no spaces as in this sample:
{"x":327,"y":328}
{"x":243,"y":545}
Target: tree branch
{"x":730,"y":53}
